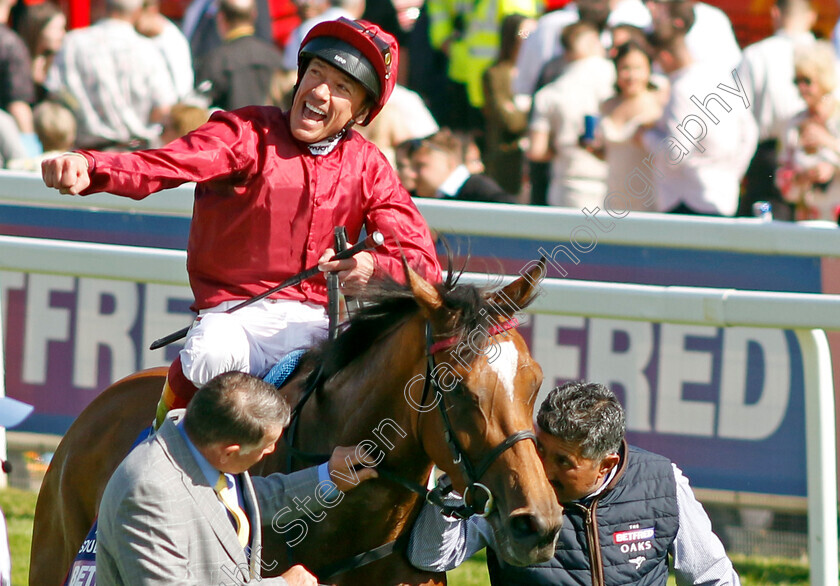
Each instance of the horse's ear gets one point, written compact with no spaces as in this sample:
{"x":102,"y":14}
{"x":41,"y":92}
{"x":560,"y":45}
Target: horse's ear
{"x":426,"y":295}
{"x":520,"y":293}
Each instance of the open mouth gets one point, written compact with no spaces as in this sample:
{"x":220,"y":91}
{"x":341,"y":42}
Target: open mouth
{"x":312,"y":113}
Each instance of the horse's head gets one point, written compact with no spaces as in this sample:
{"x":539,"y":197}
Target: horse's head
{"x":477,"y":403}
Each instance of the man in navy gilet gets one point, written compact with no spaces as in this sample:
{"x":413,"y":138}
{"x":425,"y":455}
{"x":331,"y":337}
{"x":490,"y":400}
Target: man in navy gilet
{"x":625,"y":510}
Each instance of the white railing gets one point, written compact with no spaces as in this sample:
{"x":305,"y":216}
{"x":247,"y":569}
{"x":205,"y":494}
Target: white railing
{"x":747,"y":235}
{"x":807,"y":314}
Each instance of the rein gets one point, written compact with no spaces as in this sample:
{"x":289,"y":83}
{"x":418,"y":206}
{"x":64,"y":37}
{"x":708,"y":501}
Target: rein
{"x":471,"y":473}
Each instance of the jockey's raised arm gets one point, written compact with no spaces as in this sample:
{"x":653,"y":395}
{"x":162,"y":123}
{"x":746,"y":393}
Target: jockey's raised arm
{"x":270,"y":187}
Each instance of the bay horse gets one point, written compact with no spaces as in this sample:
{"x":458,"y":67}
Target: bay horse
{"x":422,"y":374}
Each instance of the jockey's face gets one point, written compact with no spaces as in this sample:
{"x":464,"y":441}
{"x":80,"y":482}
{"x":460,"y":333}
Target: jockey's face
{"x":325,"y":101}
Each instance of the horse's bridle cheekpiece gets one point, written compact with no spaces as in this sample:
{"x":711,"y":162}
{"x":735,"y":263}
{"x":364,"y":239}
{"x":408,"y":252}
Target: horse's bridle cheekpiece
{"x":472,"y":473}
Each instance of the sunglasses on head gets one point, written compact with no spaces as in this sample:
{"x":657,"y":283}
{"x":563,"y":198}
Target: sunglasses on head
{"x":381,"y":44}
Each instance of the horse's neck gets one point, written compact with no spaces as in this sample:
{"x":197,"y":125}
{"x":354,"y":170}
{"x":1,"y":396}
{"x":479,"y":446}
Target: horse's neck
{"x":366,"y":400}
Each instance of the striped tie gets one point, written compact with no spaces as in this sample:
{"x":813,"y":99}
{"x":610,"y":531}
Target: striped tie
{"x":240,"y":520}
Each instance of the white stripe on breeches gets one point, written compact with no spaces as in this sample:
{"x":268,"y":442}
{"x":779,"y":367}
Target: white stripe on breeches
{"x":251,"y":339}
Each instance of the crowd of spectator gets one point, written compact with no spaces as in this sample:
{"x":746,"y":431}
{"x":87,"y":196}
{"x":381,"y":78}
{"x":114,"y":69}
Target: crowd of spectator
{"x":650,"y":103}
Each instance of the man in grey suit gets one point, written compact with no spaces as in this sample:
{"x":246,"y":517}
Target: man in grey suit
{"x":160,"y":519}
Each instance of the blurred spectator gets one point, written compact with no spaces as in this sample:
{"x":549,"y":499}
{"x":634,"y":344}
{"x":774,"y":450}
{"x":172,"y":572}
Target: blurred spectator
{"x":442,"y":173}
{"x":114,"y":79}
{"x":17,"y":91}
{"x":182,"y":119}
{"x":384,"y":14}
{"x":697,"y":170}
{"x":544,"y":43}
{"x":426,"y":71}
{"x":239,"y":71}
{"x":468,"y":34}
{"x":470,"y":152}
{"x":708,"y":32}
{"x":578,"y":178}
{"x":403,"y":118}
{"x":405,"y":169}
{"x":811,"y":145}
{"x":199,"y":27}
{"x":42,"y":28}
{"x":624,"y":33}
{"x":637,"y":103}
{"x":541,"y":60}
{"x":11,"y":143}
{"x":506,"y":118}
{"x":311,"y":13}
{"x":12,"y":412}
{"x":56,"y":129}
{"x":171,"y":43}
{"x":767,"y":73}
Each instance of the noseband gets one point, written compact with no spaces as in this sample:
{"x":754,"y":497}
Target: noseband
{"x":471,"y":473}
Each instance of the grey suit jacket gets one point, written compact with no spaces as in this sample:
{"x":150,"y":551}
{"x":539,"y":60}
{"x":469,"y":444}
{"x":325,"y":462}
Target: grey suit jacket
{"x":160,"y":521}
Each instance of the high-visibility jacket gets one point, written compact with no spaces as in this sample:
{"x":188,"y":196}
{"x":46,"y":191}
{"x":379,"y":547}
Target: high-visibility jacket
{"x":482,"y":39}
{"x":447,"y":22}
{"x":473,"y":29}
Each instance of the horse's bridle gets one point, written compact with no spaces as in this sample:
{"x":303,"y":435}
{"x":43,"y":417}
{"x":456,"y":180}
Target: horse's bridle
{"x":472,"y":474}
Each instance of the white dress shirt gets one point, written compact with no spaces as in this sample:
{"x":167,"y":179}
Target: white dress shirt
{"x":709,"y":181}
{"x":712,"y":40}
{"x":115,"y":78}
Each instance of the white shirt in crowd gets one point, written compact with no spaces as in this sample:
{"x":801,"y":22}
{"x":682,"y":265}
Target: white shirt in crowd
{"x":115,"y":77}
{"x":578,"y":178}
{"x":175,"y":50}
{"x":767,"y":72}
{"x":543,"y":43}
{"x":708,"y":181}
{"x":712,"y":40}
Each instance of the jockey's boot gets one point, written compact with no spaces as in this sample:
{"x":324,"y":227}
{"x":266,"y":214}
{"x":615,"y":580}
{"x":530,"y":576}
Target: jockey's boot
{"x":177,"y":392}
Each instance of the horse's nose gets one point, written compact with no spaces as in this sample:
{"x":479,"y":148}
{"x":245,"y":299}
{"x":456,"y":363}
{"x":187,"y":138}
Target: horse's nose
{"x":533,"y":530}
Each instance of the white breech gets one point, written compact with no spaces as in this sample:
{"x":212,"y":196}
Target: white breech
{"x":251,"y":339}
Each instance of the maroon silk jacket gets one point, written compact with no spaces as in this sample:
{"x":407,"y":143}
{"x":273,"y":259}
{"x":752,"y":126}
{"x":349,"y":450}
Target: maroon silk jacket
{"x":265,"y":207}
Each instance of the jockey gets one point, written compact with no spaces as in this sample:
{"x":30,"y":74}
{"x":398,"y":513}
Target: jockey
{"x":270,"y":187}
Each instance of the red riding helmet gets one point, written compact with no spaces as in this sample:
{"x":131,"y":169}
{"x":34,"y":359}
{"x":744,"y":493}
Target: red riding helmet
{"x":361,"y":50}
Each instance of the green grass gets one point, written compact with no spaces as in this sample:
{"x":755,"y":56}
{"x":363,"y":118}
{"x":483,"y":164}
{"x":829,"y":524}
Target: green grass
{"x":473,"y":572}
{"x":780,"y":572}
{"x":19,"y":509}
{"x":753,"y":572}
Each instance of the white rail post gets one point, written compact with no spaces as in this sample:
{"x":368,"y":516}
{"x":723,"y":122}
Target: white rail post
{"x":821,"y":457}
{"x":3,"y":480}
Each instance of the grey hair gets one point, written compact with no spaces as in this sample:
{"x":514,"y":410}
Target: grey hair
{"x":235,"y":408}
{"x":585,"y":414}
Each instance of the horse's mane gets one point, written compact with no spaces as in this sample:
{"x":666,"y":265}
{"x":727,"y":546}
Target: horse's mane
{"x":386,"y":306}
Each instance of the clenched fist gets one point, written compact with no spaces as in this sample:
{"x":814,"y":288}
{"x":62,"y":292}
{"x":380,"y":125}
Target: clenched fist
{"x":68,"y":173}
